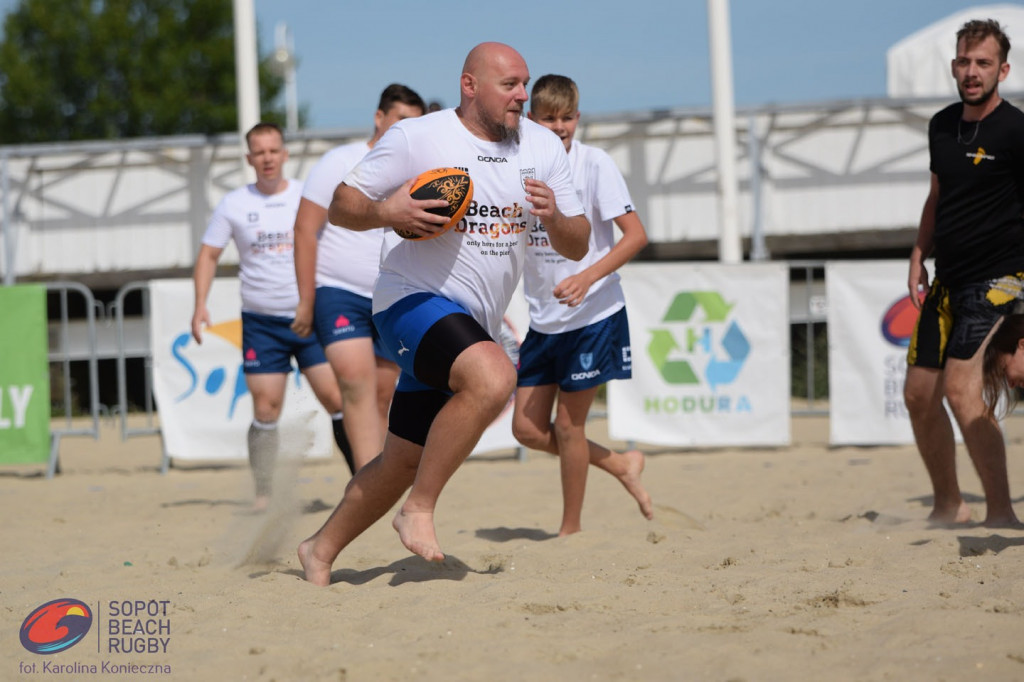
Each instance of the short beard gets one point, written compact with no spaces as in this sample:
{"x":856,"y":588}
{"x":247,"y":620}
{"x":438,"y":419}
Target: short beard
{"x":985,"y":96}
{"x":509,"y":133}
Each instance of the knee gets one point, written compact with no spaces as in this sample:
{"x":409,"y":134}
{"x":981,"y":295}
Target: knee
{"x":915,"y":400}
{"x":566,"y":430}
{"x":491,"y":382}
{"x":964,"y":399}
{"x":500,"y":383}
{"x":529,"y":434}
{"x":267,"y":412}
{"x":920,"y":398}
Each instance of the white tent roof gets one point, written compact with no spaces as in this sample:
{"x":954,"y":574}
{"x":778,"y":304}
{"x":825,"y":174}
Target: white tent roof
{"x":919,"y":65}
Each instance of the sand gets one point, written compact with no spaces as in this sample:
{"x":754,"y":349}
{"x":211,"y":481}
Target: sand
{"x":800,"y":563}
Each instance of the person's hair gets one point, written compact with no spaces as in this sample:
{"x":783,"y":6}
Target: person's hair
{"x":261,"y":128}
{"x":976,"y":30}
{"x":398,"y":93}
{"x":1003,"y":342}
{"x":554,"y":94}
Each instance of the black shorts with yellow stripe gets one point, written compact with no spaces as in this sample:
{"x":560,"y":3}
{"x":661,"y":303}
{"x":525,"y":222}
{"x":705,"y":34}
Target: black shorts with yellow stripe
{"x":955,"y":322}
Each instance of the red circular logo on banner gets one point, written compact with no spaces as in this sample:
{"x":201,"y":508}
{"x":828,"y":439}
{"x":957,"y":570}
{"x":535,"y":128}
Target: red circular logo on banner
{"x":899,"y":321}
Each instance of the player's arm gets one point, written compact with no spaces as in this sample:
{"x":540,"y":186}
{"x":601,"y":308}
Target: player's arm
{"x":308,"y":222}
{"x":356,"y":211}
{"x":569,"y":235}
{"x":202,"y":276}
{"x":573,"y":289}
{"x":918,"y":275}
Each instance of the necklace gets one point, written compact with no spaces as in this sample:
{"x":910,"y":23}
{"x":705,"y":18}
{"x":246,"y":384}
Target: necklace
{"x":960,"y":136}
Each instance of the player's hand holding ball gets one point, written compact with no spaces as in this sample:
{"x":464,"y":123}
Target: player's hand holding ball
{"x":442,"y":192}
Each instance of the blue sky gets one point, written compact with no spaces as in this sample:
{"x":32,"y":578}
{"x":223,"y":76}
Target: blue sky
{"x":630,"y":55}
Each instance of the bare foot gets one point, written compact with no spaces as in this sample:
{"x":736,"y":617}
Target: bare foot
{"x":317,"y":572}
{"x":416,"y":531}
{"x":630,"y":479}
{"x":1000,"y":521}
{"x":951,"y":517}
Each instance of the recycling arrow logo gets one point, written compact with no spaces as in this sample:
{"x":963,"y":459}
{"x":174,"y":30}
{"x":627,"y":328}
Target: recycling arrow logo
{"x":725,"y":359}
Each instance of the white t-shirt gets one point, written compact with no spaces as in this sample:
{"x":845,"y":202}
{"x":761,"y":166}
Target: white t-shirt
{"x":346,"y":259}
{"x":478,"y":262}
{"x":262,"y":226}
{"x":605,"y":197}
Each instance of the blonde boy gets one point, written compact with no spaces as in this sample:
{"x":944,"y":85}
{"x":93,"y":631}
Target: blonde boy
{"x":579,"y":333}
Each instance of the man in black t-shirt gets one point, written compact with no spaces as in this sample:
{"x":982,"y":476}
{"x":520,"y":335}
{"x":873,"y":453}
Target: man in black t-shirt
{"x":972,"y":223}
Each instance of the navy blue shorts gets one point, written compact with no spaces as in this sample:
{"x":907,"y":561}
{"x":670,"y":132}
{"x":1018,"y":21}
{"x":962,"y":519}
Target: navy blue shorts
{"x":578,"y":359}
{"x":339,"y":314}
{"x":955,"y":322}
{"x":268,"y":345}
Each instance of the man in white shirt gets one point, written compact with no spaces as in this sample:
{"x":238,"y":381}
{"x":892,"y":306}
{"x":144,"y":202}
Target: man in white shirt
{"x":336,"y":270}
{"x":439,"y":302}
{"x":259,"y":217}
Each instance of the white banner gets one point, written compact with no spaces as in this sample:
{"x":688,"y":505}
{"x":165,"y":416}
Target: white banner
{"x":870,"y":321}
{"x":710,"y":349}
{"x":204,"y":405}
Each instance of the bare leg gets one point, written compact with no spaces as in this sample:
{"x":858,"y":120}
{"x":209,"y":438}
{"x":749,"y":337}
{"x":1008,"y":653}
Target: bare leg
{"x":482,"y":379}
{"x":373,"y":490}
{"x":983,"y":437}
{"x":387,"y":377}
{"x":354,"y":365}
{"x":933,"y":434}
{"x":573,"y":453}
{"x":532,"y":427}
{"x":325,"y":385}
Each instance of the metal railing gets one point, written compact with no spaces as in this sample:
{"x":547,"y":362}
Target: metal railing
{"x":60,"y":353}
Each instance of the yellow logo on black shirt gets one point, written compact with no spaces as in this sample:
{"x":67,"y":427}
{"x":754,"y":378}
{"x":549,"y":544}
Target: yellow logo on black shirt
{"x":979,"y":155}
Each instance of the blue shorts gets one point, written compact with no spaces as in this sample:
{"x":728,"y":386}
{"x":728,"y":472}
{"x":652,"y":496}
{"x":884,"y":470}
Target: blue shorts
{"x":955,"y":321}
{"x":404,"y":325}
{"x":339,"y":314}
{"x":268,"y":344}
{"x":579,"y":359}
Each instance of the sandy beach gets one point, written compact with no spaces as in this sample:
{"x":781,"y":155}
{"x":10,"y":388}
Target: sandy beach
{"x":800,"y":564}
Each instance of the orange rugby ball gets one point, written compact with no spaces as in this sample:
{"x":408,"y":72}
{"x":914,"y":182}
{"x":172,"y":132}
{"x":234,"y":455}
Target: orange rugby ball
{"x":452,"y":185}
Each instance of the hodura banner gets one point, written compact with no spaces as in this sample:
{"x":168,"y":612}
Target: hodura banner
{"x":24,"y":376}
{"x":710,"y":356}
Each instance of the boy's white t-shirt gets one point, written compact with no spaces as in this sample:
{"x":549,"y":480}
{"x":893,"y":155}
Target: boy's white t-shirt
{"x":479,"y":261}
{"x":262,"y":226}
{"x":605,"y":197}
{"x":346,"y":259}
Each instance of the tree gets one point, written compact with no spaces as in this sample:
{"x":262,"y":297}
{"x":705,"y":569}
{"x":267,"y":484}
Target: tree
{"x":104,"y":69}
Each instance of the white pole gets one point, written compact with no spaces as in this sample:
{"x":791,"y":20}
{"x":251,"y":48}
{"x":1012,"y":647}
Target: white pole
{"x":247,"y":75}
{"x":284,"y":57}
{"x":729,"y":248}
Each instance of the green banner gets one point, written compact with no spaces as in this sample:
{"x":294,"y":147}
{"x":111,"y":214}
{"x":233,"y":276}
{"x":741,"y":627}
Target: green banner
{"x":24,"y":376}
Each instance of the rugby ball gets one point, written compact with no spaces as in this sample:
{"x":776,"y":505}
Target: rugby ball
{"x":452,"y":185}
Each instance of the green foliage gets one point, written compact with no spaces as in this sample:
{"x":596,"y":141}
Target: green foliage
{"x":105,"y":69}
{"x":798,"y":360}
